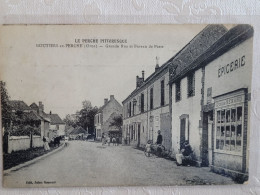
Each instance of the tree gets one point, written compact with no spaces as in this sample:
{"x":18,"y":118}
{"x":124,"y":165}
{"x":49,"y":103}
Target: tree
{"x":83,"y":118}
{"x":117,"y":122}
{"x":70,"y":120}
{"x":5,"y":106}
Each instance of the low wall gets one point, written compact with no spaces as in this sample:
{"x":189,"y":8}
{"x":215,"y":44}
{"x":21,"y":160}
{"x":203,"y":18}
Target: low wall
{"x":16,"y":143}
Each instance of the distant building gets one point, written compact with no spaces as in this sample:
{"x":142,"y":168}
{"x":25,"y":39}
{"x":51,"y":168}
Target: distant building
{"x":78,"y":133}
{"x":147,"y":110}
{"x":31,"y":114}
{"x":110,"y":107}
{"x":19,"y":105}
{"x":45,"y":124}
{"x":57,"y":124}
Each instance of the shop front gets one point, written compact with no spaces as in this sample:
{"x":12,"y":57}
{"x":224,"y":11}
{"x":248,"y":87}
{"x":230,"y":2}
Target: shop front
{"x":226,"y":110}
{"x":230,"y":132}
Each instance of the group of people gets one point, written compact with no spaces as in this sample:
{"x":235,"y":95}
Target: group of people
{"x":184,"y":157}
{"x":110,"y":139}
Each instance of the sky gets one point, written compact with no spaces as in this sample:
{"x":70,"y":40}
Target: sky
{"x":63,"y":77}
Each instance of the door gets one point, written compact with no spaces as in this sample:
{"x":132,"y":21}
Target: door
{"x":206,"y":138}
{"x":138,"y":135}
{"x":182,"y":133}
{"x":151,"y":128}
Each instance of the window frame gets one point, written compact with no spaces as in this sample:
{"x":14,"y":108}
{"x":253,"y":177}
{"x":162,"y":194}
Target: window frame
{"x":178,"y":93}
{"x":191,"y":85}
{"x":226,"y":124}
{"x":151,"y":98}
{"x":162,"y":92}
{"x":142,"y":102}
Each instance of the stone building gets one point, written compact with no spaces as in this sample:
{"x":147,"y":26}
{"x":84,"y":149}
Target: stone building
{"x":210,"y":81}
{"x":110,"y":107}
{"x":146,"y":110}
{"x":57,"y":125}
{"x":45,"y":123}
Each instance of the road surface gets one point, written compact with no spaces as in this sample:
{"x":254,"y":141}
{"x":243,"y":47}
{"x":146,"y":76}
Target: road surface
{"x":85,"y":163}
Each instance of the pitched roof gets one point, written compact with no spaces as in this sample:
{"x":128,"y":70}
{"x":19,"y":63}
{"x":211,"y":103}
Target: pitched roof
{"x":55,"y":119}
{"x":19,"y":105}
{"x":102,"y":107}
{"x":225,"y":42}
{"x":32,"y":116}
{"x":69,"y":129}
{"x":34,"y":106}
{"x":194,"y":48}
{"x":78,"y":130}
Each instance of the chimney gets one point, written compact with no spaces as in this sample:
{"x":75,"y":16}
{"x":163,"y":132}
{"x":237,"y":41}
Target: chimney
{"x":143,"y":74}
{"x":105,"y":101}
{"x":41,"y":108}
{"x":137,"y":81}
{"x":50,"y":112}
{"x":112,"y":97}
{"x":157,"y":64}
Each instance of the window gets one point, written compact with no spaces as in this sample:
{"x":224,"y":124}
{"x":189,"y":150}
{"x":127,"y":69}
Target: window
{"x":130,"y":109}
{"x":133,"y":109}
{"x":229,"y":128}
{"x":142,"y":102}
{"x":57,"y":127}
{"x":191,"y":85}
{"x":151,"y":98}
{"x":178,"y":91}
{"x":162,"y":93}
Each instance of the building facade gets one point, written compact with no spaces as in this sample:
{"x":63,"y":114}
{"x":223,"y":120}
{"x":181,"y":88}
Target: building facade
{"x":111,"y":106}
{"x":146,"y":110}
{"x":57,"y":125}
{"x":210,"y":101}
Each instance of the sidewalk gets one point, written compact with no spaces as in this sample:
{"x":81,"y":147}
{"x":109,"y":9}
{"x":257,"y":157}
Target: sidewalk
{"x":19,"y":159}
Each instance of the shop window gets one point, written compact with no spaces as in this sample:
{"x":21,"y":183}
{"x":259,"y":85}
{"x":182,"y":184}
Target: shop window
{"x":191,"y":85}
{"x":178,"y":91}
{"x":229,"y":129}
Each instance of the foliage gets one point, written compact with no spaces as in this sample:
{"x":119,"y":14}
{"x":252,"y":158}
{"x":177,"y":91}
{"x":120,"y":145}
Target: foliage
{"x":117,"y":122}
{"x":5,"y":106}
{"x":70,"y":120}
{"x":22,"y":130}
{"x":84,"y":118}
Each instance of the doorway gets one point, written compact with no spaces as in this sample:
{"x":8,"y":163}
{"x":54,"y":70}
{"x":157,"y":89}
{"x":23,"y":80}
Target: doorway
{"x":138,"y":134}
{"x":184,"y":129}
{"x":207,"y":128}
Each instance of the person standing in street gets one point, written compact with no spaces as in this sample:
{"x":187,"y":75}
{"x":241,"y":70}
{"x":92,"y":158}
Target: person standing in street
{"x":45,"y":144}
{"x":103,"y":139}
{"x":159,"y":143}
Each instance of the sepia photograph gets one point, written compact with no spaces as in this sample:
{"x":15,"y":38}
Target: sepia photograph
{"x":125,"y":105}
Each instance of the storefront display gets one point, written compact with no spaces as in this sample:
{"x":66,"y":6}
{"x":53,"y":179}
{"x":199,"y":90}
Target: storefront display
{"x":229,"y":112}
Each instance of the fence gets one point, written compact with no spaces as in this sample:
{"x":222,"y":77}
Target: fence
{"x":16,"y":143}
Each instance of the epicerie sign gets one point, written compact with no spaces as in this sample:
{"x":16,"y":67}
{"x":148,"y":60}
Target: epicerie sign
{"x":229,"y":101}
{"x":232,"y":66}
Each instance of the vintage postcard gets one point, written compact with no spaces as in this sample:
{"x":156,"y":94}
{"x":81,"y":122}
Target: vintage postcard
{"x":125,"y":105}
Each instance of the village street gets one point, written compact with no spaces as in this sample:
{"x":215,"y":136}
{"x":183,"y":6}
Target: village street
{"x":85,"y":163}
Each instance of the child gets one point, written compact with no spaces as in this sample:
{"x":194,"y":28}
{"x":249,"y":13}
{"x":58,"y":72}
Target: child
{"x":148,"y":147}
{"x":114,"y":141}
{"x":108,"y":140}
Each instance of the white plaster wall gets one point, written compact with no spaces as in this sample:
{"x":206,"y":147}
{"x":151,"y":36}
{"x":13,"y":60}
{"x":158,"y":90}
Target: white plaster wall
{"x":239,"y":78}
{"x":190,"y":106}
{"x":17,"y":143}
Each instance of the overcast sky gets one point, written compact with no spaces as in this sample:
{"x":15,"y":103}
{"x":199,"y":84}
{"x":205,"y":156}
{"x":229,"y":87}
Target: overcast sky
{"x":63,"y":77}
